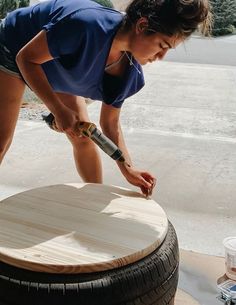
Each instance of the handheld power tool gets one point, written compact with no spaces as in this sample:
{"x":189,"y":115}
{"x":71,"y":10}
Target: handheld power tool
{"x":91,"y":131}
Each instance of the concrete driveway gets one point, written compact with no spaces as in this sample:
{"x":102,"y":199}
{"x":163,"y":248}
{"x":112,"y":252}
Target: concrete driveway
{"x":181,"y":127}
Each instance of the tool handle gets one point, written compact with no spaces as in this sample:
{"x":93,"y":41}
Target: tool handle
{"x":91,"y":131}
{"x":106,"y":145}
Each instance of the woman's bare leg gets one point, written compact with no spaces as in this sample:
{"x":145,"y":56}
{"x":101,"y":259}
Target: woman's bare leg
{"x":86,"y":155}
{"x":11,"y":91}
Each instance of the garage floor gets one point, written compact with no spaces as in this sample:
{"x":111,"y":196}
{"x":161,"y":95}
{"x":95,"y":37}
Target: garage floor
{"x":198,"y":279}
{"x":184,"y":298}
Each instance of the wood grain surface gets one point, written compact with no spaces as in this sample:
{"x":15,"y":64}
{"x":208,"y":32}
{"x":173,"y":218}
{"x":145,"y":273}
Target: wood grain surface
{"x":77,"y":228}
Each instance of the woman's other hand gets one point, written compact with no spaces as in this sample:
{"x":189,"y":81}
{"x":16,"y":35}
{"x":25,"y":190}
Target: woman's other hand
{"x":142,"y":179}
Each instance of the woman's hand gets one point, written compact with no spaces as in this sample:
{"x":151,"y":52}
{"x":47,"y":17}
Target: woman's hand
{"x":142,"y":179}
{"x":66,"y":121}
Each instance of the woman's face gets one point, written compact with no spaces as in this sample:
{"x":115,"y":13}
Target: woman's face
{"x":148,"y":48}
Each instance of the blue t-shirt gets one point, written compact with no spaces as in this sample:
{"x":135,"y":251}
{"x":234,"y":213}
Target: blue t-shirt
{"x":79,"y":35}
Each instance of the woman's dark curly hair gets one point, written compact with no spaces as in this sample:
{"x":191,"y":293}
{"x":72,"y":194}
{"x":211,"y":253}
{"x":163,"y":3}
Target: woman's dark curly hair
{"x":171,"y":17}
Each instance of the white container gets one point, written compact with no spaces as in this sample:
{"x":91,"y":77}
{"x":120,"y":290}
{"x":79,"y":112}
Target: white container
{"x":230,"y":257}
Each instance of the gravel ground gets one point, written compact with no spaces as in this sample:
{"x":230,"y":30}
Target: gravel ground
{"x":32,"y":108}
{"x":32,"y":111}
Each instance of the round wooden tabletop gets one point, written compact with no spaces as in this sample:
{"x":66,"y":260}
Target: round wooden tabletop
{"x":77,"y":228}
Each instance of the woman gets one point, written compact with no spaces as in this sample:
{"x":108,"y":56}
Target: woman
{"x":66,"y":51}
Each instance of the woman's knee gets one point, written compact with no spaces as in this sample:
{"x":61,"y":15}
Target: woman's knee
{"x":80,"y":141}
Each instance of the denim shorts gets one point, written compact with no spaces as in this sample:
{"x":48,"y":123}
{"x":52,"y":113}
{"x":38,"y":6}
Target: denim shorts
{"x":7,"y":60}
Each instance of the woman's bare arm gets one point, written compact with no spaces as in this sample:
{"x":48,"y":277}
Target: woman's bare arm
{"x":29,"y":60}
{"x":110,"y":123}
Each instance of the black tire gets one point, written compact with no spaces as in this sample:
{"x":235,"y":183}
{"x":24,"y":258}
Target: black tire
{"x":150,"y":281}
